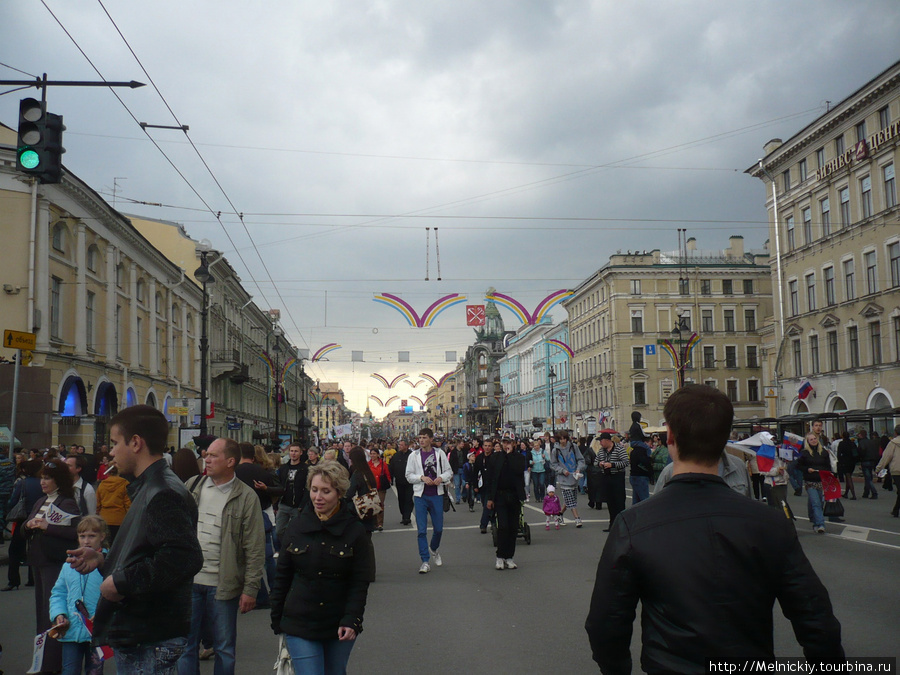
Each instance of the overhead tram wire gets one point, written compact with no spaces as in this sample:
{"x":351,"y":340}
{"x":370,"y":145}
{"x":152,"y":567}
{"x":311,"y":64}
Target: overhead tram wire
{"x":218,"y":184}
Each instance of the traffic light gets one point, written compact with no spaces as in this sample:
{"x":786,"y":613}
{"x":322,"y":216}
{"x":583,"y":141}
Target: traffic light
{"x":39,"y":149}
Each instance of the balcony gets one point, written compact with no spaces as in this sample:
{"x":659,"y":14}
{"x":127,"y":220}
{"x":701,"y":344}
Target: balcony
{"x":223,"y":362}
{"x":241,"y":375}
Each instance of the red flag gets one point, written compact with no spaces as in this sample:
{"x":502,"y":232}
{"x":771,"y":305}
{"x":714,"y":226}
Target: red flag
{"x":831,"y":486}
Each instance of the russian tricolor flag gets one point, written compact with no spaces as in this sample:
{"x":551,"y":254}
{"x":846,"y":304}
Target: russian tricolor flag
{"x":765,"y":457}
{"x":805,"y":390}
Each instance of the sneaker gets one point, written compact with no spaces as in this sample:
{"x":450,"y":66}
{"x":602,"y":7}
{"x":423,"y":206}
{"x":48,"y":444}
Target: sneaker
{"x":425,"y":568}
{"x":483,"y":530}
{"x":471,"y":509}
{"x":437,"y":558}
{"x":499,"y":564}
{"x":562,"y":521}
{"x":547,"y":527}
{"x":510,"y":564}
{"x":578,"y":522}
{"x":820,"y":530}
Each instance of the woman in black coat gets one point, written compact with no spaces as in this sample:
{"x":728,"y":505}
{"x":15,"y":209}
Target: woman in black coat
{"x":49,"y":543}
{"x":362,"y":481}
{"x":848,"y":454}
{"x":323,"y":575}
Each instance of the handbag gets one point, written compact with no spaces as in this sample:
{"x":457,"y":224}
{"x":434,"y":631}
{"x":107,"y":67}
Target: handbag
{"x":283,"y":665}
{"x":833,"y":509}
{"x":17,"y":514}
{"x":368,"y":504}
{"x":446,"y":502}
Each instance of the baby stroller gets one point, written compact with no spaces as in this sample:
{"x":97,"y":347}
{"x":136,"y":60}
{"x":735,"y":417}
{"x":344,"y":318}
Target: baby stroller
{"x":524,"y":531}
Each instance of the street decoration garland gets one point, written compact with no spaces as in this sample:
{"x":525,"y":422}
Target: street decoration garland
{"x":327,"y":349}
{"x":526,"y":317}
{"x":562,"y":345}
{"x":669,"y":348}
{"x":390,"y":385}
{"x":383,"y":404}
{"x":412,"y":317}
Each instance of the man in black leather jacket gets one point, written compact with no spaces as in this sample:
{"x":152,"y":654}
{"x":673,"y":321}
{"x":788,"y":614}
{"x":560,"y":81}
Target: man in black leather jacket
{"x":144,"y":613}
{"x":706,"y":563}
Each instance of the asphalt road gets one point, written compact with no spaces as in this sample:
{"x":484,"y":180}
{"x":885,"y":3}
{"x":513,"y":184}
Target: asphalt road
{"x":468,"y":617}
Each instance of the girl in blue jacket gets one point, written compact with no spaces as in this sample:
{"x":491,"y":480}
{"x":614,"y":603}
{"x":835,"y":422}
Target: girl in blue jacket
{"x":70,"y":588}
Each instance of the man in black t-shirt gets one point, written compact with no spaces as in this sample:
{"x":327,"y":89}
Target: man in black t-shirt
{"x":292,"y":477}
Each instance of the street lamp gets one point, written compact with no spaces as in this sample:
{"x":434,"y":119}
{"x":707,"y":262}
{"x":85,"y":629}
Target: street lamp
{"x":277,"y":332}
{"x":203,"y":275}
{"x":681,"y":325}
{"x":552,"y":376}
{"x":318,"y":412}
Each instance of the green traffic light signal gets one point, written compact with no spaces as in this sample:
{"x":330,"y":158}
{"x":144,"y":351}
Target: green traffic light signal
{"x":29,"y":159}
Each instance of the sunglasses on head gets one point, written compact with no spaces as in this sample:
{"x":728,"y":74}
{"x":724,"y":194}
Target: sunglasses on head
{"x":50,"y":465}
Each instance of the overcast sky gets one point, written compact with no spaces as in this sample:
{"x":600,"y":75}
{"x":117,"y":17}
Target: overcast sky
{"x":539,"y":137}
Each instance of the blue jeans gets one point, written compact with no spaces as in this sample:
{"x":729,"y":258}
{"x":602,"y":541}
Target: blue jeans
{"x":78,"y":654}
{"x":640,"y":488}
{"x":458,"y":482}
{"x":319,"y":657}
{"x":816,"y":505}
{"x":222,"y":615}
{"x":433,"y":505}
{"x":160,"y":658}
{"x":282,"y":518}
{"x":486,"y":513}
{"x":795,"y":476}
{"x":868,"y":469}
{"x":537,"y":481}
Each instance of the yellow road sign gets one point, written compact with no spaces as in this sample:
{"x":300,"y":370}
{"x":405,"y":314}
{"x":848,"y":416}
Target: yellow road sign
{"x":14,"y":339}
{"x":178,"y":410}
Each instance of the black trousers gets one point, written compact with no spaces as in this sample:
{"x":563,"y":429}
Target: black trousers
{"x":508,"y":508}
{"x":405,"y":499}
{"x":612,"y":491}
{"x":17,"y":552}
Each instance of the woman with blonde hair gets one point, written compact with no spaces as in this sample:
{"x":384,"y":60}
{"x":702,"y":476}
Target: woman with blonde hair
{"x":813,"y":459}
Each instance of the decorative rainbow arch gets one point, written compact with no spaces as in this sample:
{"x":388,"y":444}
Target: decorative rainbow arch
{"x":327,"y":349}
{"x":526,"y":317}
{"x":412,"y":317}
{"x":390,"y":385}
{"x":377,"y":400}
{"x":669,"y":348}
{"x":413,"y":384}
{"x":430,"y":378}
{"x":418,"y":400}
{"x":562,"y":345}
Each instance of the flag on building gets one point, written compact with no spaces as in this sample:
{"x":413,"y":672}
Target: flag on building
{"x":805,"y":390}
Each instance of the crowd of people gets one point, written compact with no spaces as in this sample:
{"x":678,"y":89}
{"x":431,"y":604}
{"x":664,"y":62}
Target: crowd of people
{"x":234,"y":527}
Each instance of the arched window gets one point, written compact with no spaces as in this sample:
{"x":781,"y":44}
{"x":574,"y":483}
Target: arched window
{"x":93,"y":258}
{"x":176,"y":312}
{"x":190,"y":324}
{"x":120,"y":275}
{"x":160,"y":307}
{"x":59,"y":237}
{"x":139,"y":291}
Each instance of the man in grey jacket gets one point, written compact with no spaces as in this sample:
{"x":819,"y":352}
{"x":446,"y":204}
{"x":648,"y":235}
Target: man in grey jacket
{"x":231,"y":534}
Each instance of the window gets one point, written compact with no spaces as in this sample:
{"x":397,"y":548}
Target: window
{"x":875,"y":339}
{"x":748,"y":286}
{"x":635,"y":286}
{"x":55,"y":288}
{"x":789,"y":224}
{"x":120,"y":275}
{"x":825,"y":208}
{"x":727,"y":287}
{"x":710,"y":383}
{"x":59,"y":238}
{"x":89,"y":319}
{"x":750,"y":319}
{"x":798,"y":360}
{"x":849,"y":282}
{"x":853,"y":346}
{"x":158,"y":347}
{"x":686,"y":319}
{"x":810,"y":292}
{"x":807,"y":225}
{"x":828,"y":273}
{"x":730,"y":356}
{"x":732,"y":387}
{"x":786,"y":180}
{"x":865,"y":195}
{"x":637,"y":321}
{"x":832,"y":350}
{"x":795,"y":301}
{"x":752,"y":357}
{"x":139,"y":291}
{"x":896,"y":321}
{"x":640,"y":393}
{"x":890,"y":186}
{"x":158,"y":305}
{"x":138,"y":338}
{"x":894,"y":255}
{"x":705,"y":287}
{"x":729,"y":320}
{"x":820,"y":158}
{"x":861,"y":131}
{"x":845,"y":206}
{"x":119,"y":332}
{"x":92,"y":255}
{"x":706,"y":320}
{"x":871,"y":272}
{"x":684,"y":286}
{"x":802,"y":167}
{"x":753,"y":391}
{"x":814,"y":354}
{"x":637,"y":357}
{"x":709,"y":357}
{"x":839,"y":146}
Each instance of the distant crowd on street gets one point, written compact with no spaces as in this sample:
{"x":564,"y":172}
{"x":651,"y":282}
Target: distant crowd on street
{"x":236,"y":527}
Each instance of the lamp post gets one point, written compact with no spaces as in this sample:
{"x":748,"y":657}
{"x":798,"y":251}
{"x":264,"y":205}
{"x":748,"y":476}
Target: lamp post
{"x":203,"y":275}
{"x":552,"y":376}
{"x":681,"y":325}
{"x":276,"y":372}
{"x":318,"y":412}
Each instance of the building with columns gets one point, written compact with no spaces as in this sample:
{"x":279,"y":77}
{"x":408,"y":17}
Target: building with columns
{"x":831,"y":198}
{"x":116,"y":322}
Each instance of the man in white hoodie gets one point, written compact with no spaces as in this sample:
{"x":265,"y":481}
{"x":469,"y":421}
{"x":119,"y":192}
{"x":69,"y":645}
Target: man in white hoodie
{"x":428,"y":471}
